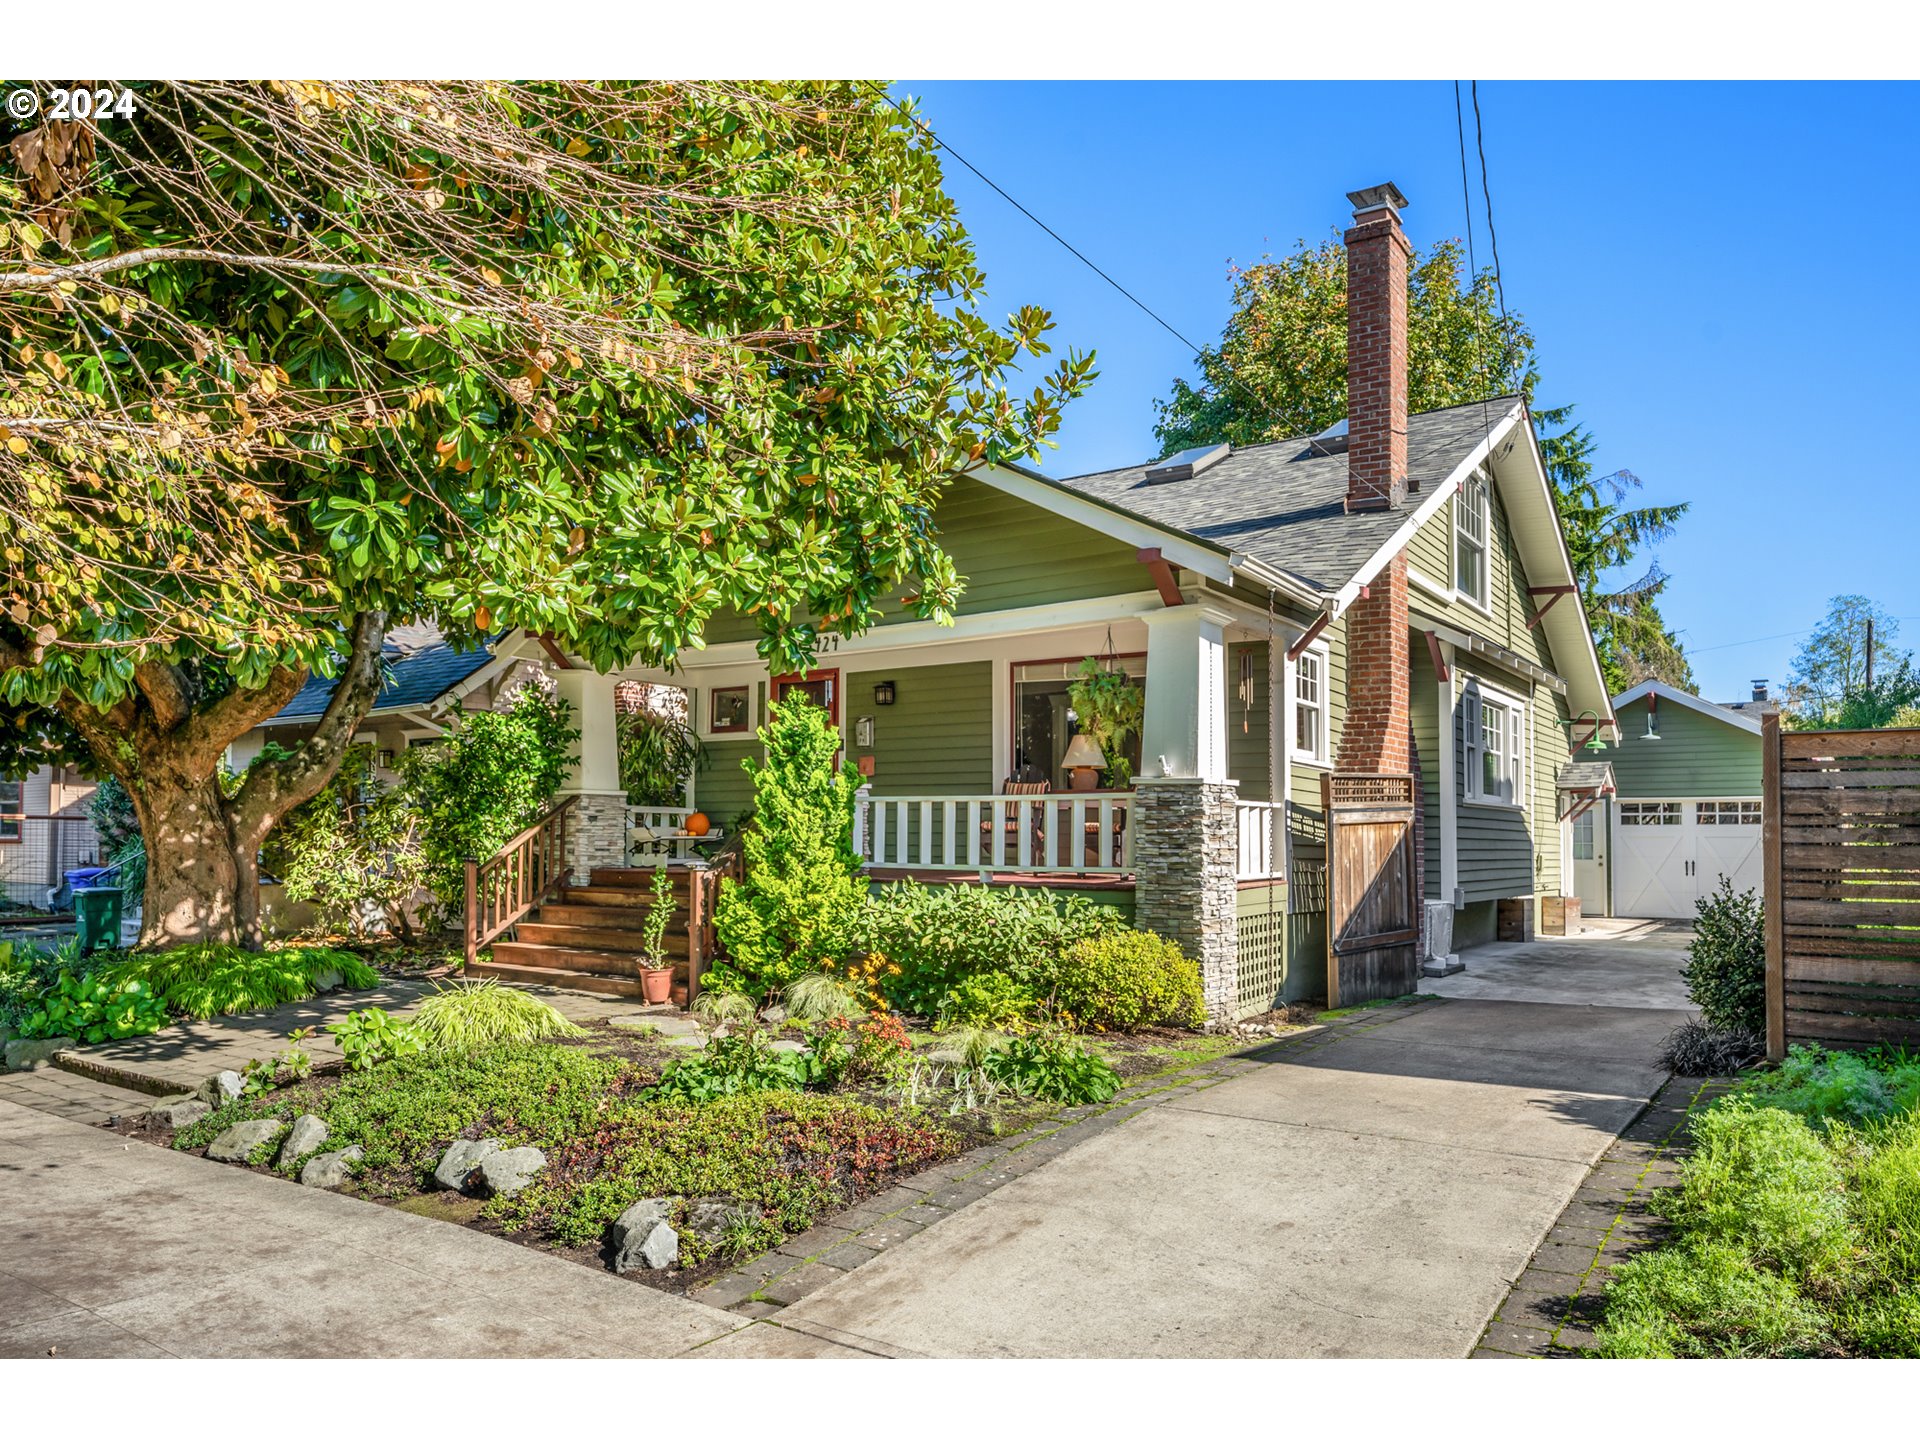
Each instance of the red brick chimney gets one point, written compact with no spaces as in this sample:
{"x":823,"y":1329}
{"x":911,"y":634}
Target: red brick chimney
{"x":1375,"y":739}
{"x":1377,"y":255}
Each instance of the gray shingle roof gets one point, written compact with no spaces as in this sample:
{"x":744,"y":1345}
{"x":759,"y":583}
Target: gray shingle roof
{"x":416,"y":677}
{"x":1285,"y":506}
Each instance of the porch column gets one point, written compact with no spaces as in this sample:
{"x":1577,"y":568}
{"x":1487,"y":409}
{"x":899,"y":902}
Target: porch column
{"x":597,"y":824}
{"x":1185,"y":853}
{"x":1184,"y":730}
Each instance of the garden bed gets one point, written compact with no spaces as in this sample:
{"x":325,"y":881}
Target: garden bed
{"x":780,"y":1160}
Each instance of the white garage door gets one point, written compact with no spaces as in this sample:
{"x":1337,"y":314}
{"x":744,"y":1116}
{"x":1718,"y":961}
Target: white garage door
{"x":1670,"y":853}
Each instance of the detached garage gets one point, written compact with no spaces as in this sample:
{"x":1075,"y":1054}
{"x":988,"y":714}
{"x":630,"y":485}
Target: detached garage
{"x":1686,"y":811}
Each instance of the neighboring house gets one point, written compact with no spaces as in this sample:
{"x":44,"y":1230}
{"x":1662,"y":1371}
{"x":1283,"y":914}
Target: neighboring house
{"x":425,"y":677}
{"x":1687,"y":807}
{"x":1393,"y":597}
{"x":44,"y":832}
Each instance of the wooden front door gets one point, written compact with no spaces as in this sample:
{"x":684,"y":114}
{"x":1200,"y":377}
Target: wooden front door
{"x":1373,"y":927}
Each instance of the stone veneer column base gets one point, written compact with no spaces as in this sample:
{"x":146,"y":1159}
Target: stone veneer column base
{"x":1185,"y":851}
{"x":596,"y":834}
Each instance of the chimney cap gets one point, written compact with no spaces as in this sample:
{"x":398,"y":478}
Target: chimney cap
{"x":1377,"y":197}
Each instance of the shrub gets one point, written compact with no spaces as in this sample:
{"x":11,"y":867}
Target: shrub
{"x":802,"y":885}
{"x":1126,"y":981}
{"x":1827,"y":1086}
{"x":489,"y":779}
{"x":371,"y":1037}
{"x":1726,"y":969}
{"x":1052,"y":1065}
{"x":353,"y":851}
{"x":201,"y":981}
{"x":993,"y":1000}
{"x":821,"y":996}
{"x":940,"y":935}
{"x":877,"y":1048}
{"x":472,"y":1015}
{"x":95,"y":1008}
{"x":1696,"y":1049}
{"x":733,"y":1065}
{"x":32,"y":972}
{"x":1760,"y":1179}
{"x":1886,"y":1206}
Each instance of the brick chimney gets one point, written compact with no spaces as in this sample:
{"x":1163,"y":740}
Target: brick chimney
{"x":1377,"y":255}
{"x":1376,"y":739}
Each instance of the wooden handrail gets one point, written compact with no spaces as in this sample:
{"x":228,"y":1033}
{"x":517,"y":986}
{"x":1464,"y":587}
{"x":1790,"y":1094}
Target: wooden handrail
{"x":525,"y":871}
{"x":703,"y":896}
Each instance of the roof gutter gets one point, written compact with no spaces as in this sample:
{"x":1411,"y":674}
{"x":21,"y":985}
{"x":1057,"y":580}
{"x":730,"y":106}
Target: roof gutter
{"x":1281,"y":583}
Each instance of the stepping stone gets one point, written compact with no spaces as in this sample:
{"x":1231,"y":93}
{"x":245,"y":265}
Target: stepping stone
{"x":669,"y":1026}
{"x":689,"y":1042}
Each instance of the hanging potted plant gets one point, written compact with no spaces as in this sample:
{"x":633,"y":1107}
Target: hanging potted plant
{"x":1109,"y":707}
{"x":656,"y":971}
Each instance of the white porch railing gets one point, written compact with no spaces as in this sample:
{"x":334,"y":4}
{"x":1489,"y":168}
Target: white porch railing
{"x":1263,"y":839}
{"x":654,"y":831}
{"x":1065,"y":833}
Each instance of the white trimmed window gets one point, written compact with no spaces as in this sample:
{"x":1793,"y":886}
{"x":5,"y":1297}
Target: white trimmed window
{"x":1727,"y":812}
{"x":12,"y":802}
{"x":1494,"y":731}
{"x":1470,"y":540}
{"x":1650,"y":812}
{"x":1310,"y":706}
{"x":1583,"y":835}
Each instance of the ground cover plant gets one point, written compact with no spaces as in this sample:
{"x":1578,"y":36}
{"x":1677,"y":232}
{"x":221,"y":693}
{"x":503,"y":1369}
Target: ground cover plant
{"x":201,"y":981}
{"x":1796,"y":1222}
{"x":473,"y":1015}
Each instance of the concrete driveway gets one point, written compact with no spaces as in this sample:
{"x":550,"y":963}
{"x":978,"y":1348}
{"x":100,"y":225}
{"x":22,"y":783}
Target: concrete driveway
{"x":1631,"y":963}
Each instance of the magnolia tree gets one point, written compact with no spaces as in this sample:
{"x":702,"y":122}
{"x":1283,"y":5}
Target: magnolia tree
{"x":286,"y":364}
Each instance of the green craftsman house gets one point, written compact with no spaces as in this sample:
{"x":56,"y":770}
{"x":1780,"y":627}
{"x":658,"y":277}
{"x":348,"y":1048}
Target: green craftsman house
{"x":1391,"y":599}
{"x":1686,"y":807}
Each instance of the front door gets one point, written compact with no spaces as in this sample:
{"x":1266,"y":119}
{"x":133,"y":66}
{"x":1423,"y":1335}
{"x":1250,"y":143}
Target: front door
{"x":821,"y":686}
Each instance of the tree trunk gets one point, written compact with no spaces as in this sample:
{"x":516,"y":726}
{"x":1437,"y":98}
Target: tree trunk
{"x":165,"y":747}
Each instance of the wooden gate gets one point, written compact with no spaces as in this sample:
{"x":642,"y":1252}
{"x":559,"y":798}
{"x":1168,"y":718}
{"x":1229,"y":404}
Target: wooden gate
{"x":1373,"y":926}
{"x":1841,"y":838}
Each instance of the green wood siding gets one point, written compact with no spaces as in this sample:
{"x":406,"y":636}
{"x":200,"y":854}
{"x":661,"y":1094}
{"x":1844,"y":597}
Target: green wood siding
{"x":1247,"y":723}
{"x":1424,"y":712}
{"x":1011,"y":555}
{"x":721,"y":787}
{"x":937,"y":736}
{"x":1495,"y":845}
{"x":1510,"y":607}
{"x":1695,"y":755}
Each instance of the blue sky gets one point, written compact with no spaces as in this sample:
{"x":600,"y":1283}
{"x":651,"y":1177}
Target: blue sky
{"x":1722,"y":276}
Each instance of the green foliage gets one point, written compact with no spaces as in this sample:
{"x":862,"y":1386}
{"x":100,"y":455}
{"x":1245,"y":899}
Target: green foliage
{"x":724,"y":1007}
{"x":875,"y":1050}
{"x":201,"y":981}
{"x":1052,"y":1065}
{"x":734,"y":1064}
{"x":1827,"y":687}
{"x":657,"y":754}
{"x":1761,"y":1178}
{"x":1704,"y":1299}
{"x":95,"y":1008}
{"x":1827,"y":1087}
{"x":1726,"y":967}
{"x":32,"y":972}
{"x":989,"y":999}
{"x":489,"y":779}
{"x":1111,"y":705}
{"x":790,"y":914}
{"x":1127,"y":981}
{"x":370,"y":1037}
{"x":353,"y":850}
{"x":653,"y":929}
{"x":110,"y":809}
{"x":821,"y":996}
{"x":1696,"y":1049}
{"x":474,"y":1015}
{"x":792,"y":1156}
{"x":1280,"y":369}
{"x":940,"y":935}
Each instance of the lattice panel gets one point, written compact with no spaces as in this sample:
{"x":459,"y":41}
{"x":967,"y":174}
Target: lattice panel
{"x":1370,"y":789}
{"x":1262,"y":955}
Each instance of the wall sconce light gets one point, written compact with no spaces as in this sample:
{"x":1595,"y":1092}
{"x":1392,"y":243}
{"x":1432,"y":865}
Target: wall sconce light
{"x":883,"y":693}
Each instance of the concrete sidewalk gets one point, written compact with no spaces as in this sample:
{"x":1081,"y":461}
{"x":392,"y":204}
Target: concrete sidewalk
{"x":119,"y":1248}
{"x":1373,"y":1191}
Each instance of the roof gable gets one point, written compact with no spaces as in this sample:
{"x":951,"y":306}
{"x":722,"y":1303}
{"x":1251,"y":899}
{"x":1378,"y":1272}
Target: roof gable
{"x":1733,"y":718}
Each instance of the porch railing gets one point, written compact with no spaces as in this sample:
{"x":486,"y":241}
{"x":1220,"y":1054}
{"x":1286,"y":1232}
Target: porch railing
{"x":1263,"y":839}
{"x":1064,"y":834}
{"x":529,"y":867}
{"x":657,"y":830}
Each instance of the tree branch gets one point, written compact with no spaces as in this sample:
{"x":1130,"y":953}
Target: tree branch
{"x":166,"y":692}
{"x":40,"y":277}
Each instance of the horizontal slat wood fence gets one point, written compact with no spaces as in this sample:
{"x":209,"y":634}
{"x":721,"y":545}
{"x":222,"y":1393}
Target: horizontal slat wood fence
{"x":1842,"y":846}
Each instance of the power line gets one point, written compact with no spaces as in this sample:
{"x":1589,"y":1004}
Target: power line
{"x":1762,"y":639}
{"x":1486,"y":192}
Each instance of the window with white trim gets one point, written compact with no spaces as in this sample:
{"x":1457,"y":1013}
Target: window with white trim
{"x":1650,"y":812}
{"x":1470,"y":540}
{"x":1494,"y":731}
{"x":1583,"y":835}
{"x":1310,"y":706}
{"x":1727,"y":812}
{"x":12,"y":802}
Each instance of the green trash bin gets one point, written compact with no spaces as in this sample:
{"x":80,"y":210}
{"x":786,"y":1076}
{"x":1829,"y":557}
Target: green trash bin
{"x":97,"y":909}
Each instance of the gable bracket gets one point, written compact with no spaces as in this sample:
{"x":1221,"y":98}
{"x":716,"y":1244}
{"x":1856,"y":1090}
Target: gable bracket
{"x":1553,"y":594}
{"x":1166,"y":576}
{"x":1440,"y":671}
{"x":1308,"y":636}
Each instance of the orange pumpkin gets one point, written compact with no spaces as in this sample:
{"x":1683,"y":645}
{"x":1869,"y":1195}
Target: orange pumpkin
{"x":698,"y":824}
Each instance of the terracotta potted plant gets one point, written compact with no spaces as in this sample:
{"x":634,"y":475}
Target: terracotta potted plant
{"x":656,"y":971}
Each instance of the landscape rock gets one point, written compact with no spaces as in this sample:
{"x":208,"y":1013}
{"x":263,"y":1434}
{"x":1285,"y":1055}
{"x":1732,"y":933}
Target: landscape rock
{"x":789,"y":1047}
{"x":309,"y":1133}
{"x":709,"y":1218}
{"x":689,"y":1042}
{"x":505,"y":1171}
{"x":774,"y":1014}
{"x":327,"y":980}
{"x":331,"y":1170}
{"x":36,"y":1054}
{"x":218,"y":1089}
{"x":179,"y":1111}
{"x":237,"y":1142}
{"x":463,"y":1157}
{"x":643,"y":1238}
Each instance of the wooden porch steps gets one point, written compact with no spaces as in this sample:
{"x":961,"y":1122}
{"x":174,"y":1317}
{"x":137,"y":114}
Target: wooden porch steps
{"x":589,"y":939}
{"x":562,"y":979}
